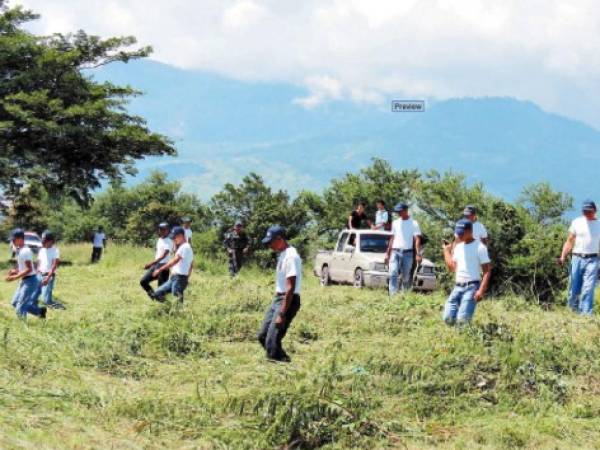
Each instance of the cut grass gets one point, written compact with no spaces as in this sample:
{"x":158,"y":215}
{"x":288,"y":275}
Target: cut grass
{"x":115,"y":370}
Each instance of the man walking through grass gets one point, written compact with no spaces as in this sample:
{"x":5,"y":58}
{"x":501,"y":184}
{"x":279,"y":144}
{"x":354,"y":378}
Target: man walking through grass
{"x":285,"y":305}
{"x":181,"y":266}
{"x":98,"y":244}
{"x":237,"y":244}
{"x":584,"y":242}
{"x":187,"y":227}
{"x":468,"y":258}
{"x":405,"y":240}
{"x":48,"y":261}
{"x":25,"y":298}
{"x":164,"y":247}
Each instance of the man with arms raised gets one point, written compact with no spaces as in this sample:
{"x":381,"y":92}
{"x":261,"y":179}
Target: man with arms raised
{"x":286,"y":303}
{"x":406,"y":238}
{"x":584,"y":242}
{"x":468,"y":258}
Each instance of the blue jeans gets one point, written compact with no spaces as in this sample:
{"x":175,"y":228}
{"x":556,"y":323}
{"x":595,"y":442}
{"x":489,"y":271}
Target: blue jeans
{"x":25,"y":298}
{"x":461,"y":304}
{"x":269,"y":335}
{"x":584,"y":273}
{"x":401,"y":262}
{"x":45,"y":291}
{"x":176,"y":285}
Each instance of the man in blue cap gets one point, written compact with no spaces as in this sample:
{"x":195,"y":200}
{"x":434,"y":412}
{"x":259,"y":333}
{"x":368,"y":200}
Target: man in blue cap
{"x":285,"y":305}
{"x":468,"y":258}
{"x":48,"y":262}
{"x":584,"y":243}
{"x":164,"y":248}
{"x":27,"y":293}
{"x":405,"y":240}
{"x":181,"y":266}
{"x":479,"y":231}
{"x":236,"y":243}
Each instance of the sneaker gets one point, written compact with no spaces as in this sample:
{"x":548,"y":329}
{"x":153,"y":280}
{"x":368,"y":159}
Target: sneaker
{"x":43,"y":311}
{"x":151,"y":295}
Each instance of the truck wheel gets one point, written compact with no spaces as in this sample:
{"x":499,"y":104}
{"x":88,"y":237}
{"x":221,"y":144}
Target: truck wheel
{"x":325,"y":280}
{"x":359,"y":280}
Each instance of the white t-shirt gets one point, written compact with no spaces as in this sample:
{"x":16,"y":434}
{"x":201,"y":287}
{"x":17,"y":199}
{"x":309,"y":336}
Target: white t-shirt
{"x":188,"y":234}
{"x":469,"y":258}
{"x":46,"y":258}
{"x":479,"y":231}
{"x":99,"y":240}
{"x":289,"y":264}
{"x":23,"y":255}
{"x":185,"y":263}
{"x":587,"y":235}
{"x":404,"y":231}
{"x":381,"y":217}
{"x":163,"y":244}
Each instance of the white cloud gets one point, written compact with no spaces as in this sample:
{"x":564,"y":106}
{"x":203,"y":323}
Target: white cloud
{"x":369,"y":50}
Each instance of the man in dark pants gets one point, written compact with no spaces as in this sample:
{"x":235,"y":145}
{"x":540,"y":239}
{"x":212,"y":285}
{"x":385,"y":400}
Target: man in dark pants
{"x":237,"y":243}
{"x":98,"y":244}
{"x":285,"y":305}
{"x":164,"y":247}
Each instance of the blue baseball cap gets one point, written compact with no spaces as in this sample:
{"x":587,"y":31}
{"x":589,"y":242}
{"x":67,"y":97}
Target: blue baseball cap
{"x":469,"y":210}
{"x":17,"y":233}
{"x":177,"y":230}
{"x":400,"y":207}
{"x":274,"y":232}
{"x":462,"y":226}
{"x":588,"y":205}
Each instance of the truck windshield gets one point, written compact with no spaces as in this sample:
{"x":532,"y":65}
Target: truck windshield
{"x":374,"y":243}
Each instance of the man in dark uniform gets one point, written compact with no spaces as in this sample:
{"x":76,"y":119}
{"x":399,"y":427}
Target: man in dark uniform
{"x":237,"y":243}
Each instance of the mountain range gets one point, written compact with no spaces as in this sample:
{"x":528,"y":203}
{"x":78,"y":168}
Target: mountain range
{"x":225,"y":128}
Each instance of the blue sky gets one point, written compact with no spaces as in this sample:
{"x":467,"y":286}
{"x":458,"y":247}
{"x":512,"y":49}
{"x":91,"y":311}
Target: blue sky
{"x":366,"y":51}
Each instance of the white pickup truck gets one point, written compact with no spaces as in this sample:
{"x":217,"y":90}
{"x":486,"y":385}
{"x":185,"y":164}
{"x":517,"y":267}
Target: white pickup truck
{"x":359,"y":259}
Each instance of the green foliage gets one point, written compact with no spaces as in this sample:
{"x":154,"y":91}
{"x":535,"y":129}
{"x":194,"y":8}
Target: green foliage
{"x":544,"y":204}
{"x":258,"y":207}
{"x":59,"y":127}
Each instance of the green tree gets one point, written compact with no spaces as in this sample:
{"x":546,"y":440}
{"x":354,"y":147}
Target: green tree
{"x":58,"y":126}
{"x":258,"y":207}
{"x":545,"y":204}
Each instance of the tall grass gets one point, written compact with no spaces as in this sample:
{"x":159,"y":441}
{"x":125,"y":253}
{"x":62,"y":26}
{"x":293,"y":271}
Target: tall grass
{"x":115,"y":370}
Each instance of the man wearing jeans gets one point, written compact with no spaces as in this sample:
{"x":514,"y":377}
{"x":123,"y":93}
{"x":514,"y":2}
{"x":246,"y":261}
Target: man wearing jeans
{"x":584,"y":242}
{"x":468,"y":258}
{"x":181,"y":267}
{"x":26,"y":295}
{"x":406,"y":238}
{"x":286,"y":303}
{"x":48,"y":261}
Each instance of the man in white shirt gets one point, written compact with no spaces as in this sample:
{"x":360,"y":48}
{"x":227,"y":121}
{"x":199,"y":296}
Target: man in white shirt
{"x":181,"y":266}
{"x":479,"y":231}
{"x":98,"y":244}
{"x":187,"y":226}
{"x":25,"y":298}
{"x":406,"y":238}
{"x":468,"y":258}
{"x":48,"y":261}
{"x":584,"y":242}
{"x":164,"y":248}
{"x":285,"y":305}
{"x":382,"y":217}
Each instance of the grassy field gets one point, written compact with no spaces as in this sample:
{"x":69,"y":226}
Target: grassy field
{"x":116,"y":371}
